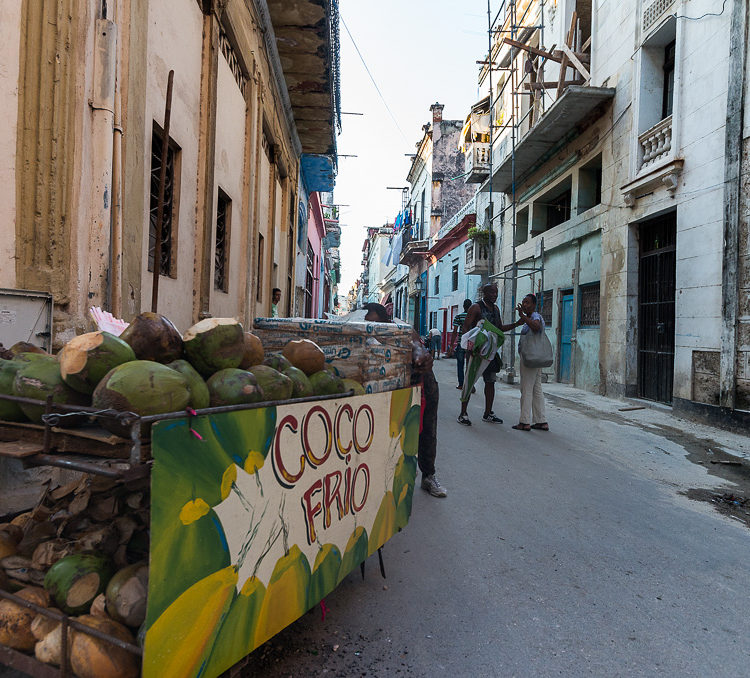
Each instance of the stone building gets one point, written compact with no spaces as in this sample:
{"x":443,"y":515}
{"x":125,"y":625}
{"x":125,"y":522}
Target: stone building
{"x":82,"y":91}
{"x":437,"y":191}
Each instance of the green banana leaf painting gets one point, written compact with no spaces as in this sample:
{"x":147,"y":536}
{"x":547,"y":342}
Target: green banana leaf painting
{"x":258,"y":514}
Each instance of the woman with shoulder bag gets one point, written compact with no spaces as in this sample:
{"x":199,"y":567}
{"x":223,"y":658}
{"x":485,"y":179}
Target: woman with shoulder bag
{"x":535,"y":352}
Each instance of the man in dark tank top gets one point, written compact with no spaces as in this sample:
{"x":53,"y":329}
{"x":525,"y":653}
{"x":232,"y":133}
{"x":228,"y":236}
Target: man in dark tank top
{"x":485,"y":308}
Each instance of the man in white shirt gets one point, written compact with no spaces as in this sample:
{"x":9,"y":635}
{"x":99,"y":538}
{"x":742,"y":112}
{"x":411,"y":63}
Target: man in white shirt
{"x":435,"y":336}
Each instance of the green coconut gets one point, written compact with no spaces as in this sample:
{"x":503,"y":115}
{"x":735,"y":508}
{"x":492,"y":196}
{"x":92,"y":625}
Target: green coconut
{"x":33,"y":356}
{"x":9,"y":410}
{"x":126,"y":595}
{"x":274,"y":384}
{"x":326,"y":383}
{"x":39,"y":379}
{"x":199,"y":397}
{"x":85,"y":359}
{"x":254,"y":352}
{"x":233,"y":386}
{"x":301,"y":386}
{"x":353,"y":385}
{"x":143,"y":387}
{"x":74,"y":581}
{"x":153,"y":337}
{"x":215,"y":344}
{"x":277,"y":362}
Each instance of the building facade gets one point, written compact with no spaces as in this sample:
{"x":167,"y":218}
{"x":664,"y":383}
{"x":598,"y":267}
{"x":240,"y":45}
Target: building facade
{"x":438,"y":191}
{"x":83,"y":92}
{"x":619,"y":192}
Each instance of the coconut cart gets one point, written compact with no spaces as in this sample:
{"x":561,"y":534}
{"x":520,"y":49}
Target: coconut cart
{"x":255,"y":512}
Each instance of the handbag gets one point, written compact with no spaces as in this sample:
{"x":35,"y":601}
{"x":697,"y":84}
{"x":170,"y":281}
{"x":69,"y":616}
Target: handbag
{"x":535,"y":349}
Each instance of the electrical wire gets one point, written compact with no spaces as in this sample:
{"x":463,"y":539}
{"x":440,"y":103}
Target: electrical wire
{"x":703,"y":16}
{"x":364,"y":63}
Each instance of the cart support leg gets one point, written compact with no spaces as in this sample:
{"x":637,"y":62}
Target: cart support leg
{"x":380,"y":560}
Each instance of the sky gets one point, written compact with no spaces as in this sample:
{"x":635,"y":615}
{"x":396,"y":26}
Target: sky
{"x":418,"y":52}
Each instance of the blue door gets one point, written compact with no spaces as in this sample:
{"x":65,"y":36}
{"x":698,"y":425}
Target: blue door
{"x":566,"y":332}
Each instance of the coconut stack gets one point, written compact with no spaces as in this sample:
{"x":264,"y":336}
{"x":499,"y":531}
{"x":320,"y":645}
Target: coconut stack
{"x":82,"y":550}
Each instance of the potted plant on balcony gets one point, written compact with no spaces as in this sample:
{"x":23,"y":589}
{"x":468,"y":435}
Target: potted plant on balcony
{"x":480,"y":235}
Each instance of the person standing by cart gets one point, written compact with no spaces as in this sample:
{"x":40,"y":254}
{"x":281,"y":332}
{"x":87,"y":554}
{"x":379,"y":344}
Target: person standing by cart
{"x":485,"y":308}
{"x":275,"y":299}
{"x":421,"y":363}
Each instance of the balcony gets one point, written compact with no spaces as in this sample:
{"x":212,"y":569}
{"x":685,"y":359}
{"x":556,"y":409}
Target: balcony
{"x":477,"y":257}
{"x":412,"y":251}
{"x":477,"y":163}
{"x":562,"y":121}
{"x":656,"y":143}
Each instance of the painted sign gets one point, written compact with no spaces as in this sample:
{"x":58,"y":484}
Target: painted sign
{"x":256,"y":515}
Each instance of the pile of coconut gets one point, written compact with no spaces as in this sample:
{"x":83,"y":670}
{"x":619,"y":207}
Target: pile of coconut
{"x":152,"y":369}
{"x":82,"y":551}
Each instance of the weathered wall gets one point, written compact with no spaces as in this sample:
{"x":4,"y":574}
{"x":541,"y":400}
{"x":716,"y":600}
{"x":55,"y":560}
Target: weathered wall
{"x":447,"y":163}
{"x":230,"y":177}
{"x":10,"y":32}
{"x":55,"y":57}
{"x":698,"y":137}
{"x":174,"y":45}
{"x":743,"y":328}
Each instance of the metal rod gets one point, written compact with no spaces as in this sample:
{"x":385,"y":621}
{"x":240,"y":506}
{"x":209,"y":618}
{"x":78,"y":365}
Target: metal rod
{"x":162,"y":183}
{"x":47,"y":428}
{"x":64,"y":658}
{"x":55,"y":406}
{"x":237,"y":408}
{"x":71,"y":465}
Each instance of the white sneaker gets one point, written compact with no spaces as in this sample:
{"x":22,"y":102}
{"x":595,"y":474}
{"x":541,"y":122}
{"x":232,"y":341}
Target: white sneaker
{"x":432,"y":485}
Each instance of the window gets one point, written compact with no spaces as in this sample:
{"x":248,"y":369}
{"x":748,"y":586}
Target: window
{"x":548,"y":210}
{"x":590,"y":184}
{"x":221,"y":249}
{"x":522,"y":226}
{"x":259,"y":270}
{"x":168,"y":263}
{"x":421,"y":217}
{"x":589,"y":305}
{"x":558,"y":210}
{"x":437,"y":285}
{"x":290,"y":254}
{"x":454,"y":277}
{"x":309,"y":278}
{"x":668,"y":88}
{"x":546,"y":308}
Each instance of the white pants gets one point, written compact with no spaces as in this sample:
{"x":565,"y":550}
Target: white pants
{"x":532,"y":398}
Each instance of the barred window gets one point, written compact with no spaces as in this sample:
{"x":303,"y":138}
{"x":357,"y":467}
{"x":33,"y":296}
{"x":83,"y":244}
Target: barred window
{"x":170,"y":209}
{"x":454,"y":278}
{"x":221,"y":250}
{"x":589,"y":305}
{"x":546,"y":309}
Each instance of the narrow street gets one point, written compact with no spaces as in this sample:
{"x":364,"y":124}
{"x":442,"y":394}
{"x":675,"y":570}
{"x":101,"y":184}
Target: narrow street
{"x":574,"y":552}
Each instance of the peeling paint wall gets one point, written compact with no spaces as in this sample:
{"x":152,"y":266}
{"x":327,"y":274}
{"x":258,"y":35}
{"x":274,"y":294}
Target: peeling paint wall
{"x":55,"y":180}
{"x":10,"y":32}
{"x":449,"y":193}
{"x":743,"y":325}
{"x":230,"y":177}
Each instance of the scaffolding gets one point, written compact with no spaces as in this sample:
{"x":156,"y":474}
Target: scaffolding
{"x":508,"y":24}
{"x":519,"y":24}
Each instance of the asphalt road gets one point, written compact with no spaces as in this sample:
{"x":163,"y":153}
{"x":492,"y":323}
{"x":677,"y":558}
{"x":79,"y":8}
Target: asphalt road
{"x":568,"y":553}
